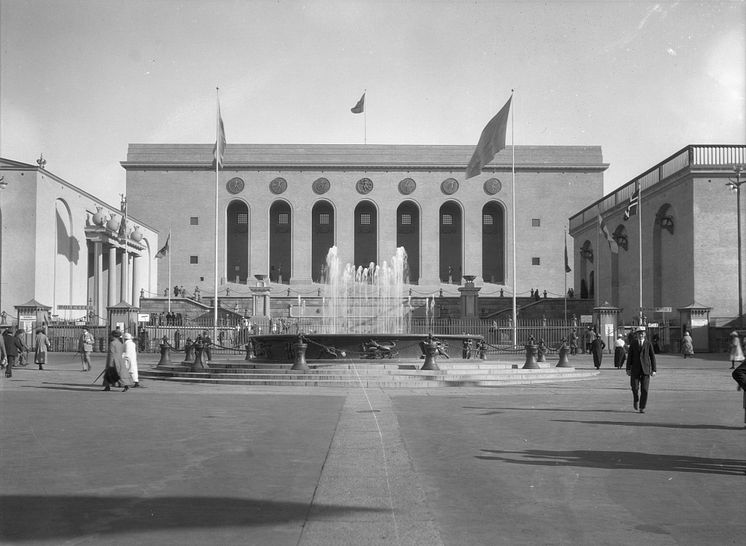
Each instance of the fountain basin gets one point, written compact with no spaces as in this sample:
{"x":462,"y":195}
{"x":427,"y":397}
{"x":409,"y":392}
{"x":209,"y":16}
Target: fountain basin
{"x":370,"y":347}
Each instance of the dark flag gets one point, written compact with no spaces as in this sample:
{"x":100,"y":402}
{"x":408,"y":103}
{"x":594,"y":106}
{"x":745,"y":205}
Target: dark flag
{"x":491,"y":141}
{"x":567,"y":262}
{"x":359,"y":108}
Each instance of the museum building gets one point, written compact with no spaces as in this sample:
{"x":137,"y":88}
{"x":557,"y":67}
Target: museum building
{"x":681,"y":240}
{"x":65,"y":255}
{"x":282,"y":206}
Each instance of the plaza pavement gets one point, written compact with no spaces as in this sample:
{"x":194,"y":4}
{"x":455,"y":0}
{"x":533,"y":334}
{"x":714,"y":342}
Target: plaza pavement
{"x":563,"y":463}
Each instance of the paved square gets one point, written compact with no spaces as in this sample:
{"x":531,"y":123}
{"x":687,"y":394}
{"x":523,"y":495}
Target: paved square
{"x":564,"y":463}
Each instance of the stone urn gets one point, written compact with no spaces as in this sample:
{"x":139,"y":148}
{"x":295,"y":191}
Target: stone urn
{"x":98,"y":217}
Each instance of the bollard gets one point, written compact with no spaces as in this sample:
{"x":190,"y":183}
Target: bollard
{"x":744,"y":407}
{"x":541,"y":351}
{"x":299,"y":351}
{"x":531,"y":351}
{"x":165,"y":355}
{"x":429,"y":348}
{"x":564,"y":361}
{"x":188,"y":352}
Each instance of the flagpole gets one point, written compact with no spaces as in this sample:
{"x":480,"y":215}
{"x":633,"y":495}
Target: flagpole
{"x":639,"y":239}
{"x":217,"y":180}
{"x":597,"y":283}
{"x":365,"y":118}
{"x":512,"y":199}
{"x":565,"y":269}
{"x":169,"y":270}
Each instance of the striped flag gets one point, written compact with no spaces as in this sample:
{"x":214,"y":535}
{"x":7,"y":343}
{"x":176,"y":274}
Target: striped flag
{"x":491,"y":141}
{"x":219,"y":151}
{"x":359,"y":108}
{"x":606,"y":233}
{"x":633,"y":201}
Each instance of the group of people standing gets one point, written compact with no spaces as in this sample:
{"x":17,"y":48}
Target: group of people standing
{"x":13,"y":350}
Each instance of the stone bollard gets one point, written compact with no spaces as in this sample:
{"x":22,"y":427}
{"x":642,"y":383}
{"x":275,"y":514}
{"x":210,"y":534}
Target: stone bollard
{"x":531,"y":350}
{"x":188,"y":353}
{"x":744,"y":407}
{"x":299,"y":352}
{"x":564,"y":361}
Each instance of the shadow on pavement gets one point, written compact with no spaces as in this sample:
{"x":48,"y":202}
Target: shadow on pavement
{"x":497,"y":411}
{"x":67,"y":516}
{"x":616,"y":460}
{"x":648,"y":424}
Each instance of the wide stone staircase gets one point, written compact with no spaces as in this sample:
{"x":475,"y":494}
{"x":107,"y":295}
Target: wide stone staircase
{"x":378,"y":373}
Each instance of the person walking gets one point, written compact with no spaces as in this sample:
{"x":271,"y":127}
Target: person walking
{"x":130,"y":358}
{"x":640,"y":368}
{"x":115,"y":371}
{"x":597,"y":348}
{"x":22,"y":348}
{"x":687,"y":345}
{"x":11,"y":351}
{"x":41,"y":346}
{"x":573,"y":342}
{"x":207,"y":343}
{"x":85,"y":347}
{"x":736,"y":353}
{"x":620,"y":354}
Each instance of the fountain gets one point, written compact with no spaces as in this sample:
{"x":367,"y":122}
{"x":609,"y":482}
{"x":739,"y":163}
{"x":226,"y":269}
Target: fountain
{"x":365,"y":314}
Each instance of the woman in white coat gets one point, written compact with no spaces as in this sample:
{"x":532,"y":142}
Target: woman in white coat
{"x":130,"y":358}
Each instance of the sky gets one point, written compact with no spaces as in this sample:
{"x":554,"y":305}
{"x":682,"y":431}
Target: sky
{"x":82,"y":79}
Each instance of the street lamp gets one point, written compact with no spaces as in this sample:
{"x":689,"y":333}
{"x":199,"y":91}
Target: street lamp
{"x":736,"y":185}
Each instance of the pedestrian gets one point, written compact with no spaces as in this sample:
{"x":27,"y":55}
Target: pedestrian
{"x":687,"y":346}
{"x":736,"y":353}
{"x":85,"y":347}
{"x":3,"y":356}
{"x":640,"y":368}
{"x":573,"y":342}
{"x":41,"y":346}
{"x":620,"y":354}
{"x":597,"y":348}
{"x":207,"y":345}
{"x":130,"y":358}
{"x":11,"y":351}
{"x":22,"y":348}
{"x":177,"y":340}
{"x":115,"y":371}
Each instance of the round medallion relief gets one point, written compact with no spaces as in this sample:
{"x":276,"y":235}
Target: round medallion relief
{"x":278,"y":185}
{"x":449,"y":186}
{"x":234,"y":185}
{"x":321,"y":185}
{"x":407,"y":186}
{"x":492,"y":186}
{"x":364,"y":185}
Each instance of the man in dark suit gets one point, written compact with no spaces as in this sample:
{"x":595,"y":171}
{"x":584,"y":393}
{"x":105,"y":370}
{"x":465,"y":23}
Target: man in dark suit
{"x":640,"y":368}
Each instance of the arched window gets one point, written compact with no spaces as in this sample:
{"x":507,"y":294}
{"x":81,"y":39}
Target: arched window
{"x":493,"y":243}
{"x":237,"y":242}
{"x":322,"y":238}
{"x":450,"y":242}
{"x":280,"y":233}
{"x":408,"y":236}
{"x":366,"y":234}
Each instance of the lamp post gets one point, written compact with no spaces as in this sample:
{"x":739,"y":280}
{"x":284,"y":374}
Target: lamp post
{"x":736,"y":185}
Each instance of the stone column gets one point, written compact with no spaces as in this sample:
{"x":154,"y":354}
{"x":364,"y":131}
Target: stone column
{"x":124,"y":267}
{"x":136,"y":280}
{"x":98,"y":274}
{"x":112,"y":288}
{"x":430,"y":251}
{"x":300,"y":271}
